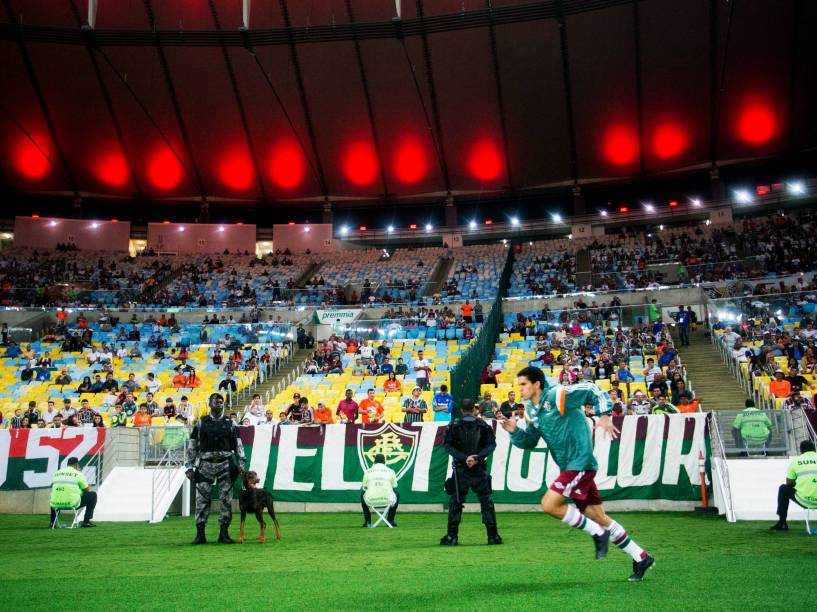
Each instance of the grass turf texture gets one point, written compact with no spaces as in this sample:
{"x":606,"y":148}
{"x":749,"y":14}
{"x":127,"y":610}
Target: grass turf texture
{"x":326,"y":561}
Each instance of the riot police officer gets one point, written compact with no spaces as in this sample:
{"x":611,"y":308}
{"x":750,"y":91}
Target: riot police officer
{"x":215,"y":455}
{"x":470,"y":440}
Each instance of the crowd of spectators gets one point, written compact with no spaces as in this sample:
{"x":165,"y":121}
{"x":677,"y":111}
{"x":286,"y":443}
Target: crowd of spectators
{"x":638,"y":366}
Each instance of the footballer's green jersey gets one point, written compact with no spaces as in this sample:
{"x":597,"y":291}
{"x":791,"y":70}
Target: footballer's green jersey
{"x":803,"y":471}
{"x":559,"y":418}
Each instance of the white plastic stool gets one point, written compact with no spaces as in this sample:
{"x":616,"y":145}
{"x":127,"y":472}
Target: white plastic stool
{"x":77,"y":512}
{"x":809,"y":530}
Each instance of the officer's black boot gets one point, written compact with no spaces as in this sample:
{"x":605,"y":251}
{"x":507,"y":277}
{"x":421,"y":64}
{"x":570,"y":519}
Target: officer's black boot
{"x":450,"y":538}
{"x":493,"y":535}
{"x":224,"y":535}
{"x":200,"y":538}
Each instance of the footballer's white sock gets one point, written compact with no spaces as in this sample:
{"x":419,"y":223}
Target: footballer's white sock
{"x":623,"y":541}
{"x":577,"y":520}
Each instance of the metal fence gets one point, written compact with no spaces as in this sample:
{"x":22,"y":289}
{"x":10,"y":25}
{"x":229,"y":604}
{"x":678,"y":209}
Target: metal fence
{"x":738,"y":442}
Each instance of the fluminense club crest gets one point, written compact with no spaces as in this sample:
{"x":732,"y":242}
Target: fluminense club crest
{"x":396,"y":444}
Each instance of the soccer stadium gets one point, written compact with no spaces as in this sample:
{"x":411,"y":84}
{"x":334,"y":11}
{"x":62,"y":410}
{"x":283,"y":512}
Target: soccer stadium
{"x":412,"y":305}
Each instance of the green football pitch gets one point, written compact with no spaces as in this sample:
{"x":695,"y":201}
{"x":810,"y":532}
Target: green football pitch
{"x":327,"y":562}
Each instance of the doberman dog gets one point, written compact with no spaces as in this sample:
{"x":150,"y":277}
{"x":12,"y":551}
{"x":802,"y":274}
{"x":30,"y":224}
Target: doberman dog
{"x":255,"y":500}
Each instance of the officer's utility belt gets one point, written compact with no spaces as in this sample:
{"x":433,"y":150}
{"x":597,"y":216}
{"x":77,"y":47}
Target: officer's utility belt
{"x":216,"y":459}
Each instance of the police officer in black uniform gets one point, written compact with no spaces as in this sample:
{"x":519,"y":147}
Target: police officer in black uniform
{"x":215,"y":455}
{"x":469,"y":440}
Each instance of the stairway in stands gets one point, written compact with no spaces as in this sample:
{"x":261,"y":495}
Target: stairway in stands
{"x":708,"y":375}
{"x":439,"y":276}
{"x":268,"y":386}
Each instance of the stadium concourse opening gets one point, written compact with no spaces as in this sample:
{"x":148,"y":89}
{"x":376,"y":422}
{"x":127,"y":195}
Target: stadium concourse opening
{"x":519,"y":283}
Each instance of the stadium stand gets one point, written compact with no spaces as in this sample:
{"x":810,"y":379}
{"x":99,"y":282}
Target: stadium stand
{"x":475,"y":272}
{"x":602,"y":350}
{"x":166,"y":358}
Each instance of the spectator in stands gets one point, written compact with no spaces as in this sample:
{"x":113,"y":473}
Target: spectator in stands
{"x":667,"y":355}
{"x":797,"y":400}
{"x":228,"y":384}
{"x":129,"y":404}
{"x":63,"y":378}
{"x":50,"y":412}
{"x":85,"y":415}
{"x":651,"y":370}
{"x":796,"y":380}
{"x":386,"y":367}
{"x":422,"y":371}
{"x":487,"y":406}
{"x":414,"y":407}
{"x":662,"y":406}
{"x":57,"y":422}
{"x":348,"y":409}
{"x":33,"y":413}
{"x":800,"y":486}
{"x":681,"y":391}
{"x":683,"y":318}
{"x":442,"y":404}
{"x":131,"y":384}
{"x":510,"y":406}
{"x":639,"y":404}
{"x":118,"y":418}
{"x":401,"y":368}
{"x":109,"y":384}
{"x":67,"y":409}
{"x":152,"y":383}
{"x":751,"y":427}
{"x":169,"y":409}
{"x":371,"y":410}
{"x":152,"y":405}
{"x":489,"y":376}
{"x":16,"y":421}
{"x":779,"y":387}
{"x":142,"y":418}
{"x":98,"y":420}
{"x":322,"y":415}
{"x":300,"y":412}
{"x":392,"y":384}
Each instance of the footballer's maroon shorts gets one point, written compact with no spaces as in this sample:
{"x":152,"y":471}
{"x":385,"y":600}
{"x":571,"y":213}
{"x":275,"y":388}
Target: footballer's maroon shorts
{"x":578,"y":486}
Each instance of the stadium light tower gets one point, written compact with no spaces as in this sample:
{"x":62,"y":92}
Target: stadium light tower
{"x":649,"y":208}
{"x":742,"y":196}
{"x":796,"y":188}
{"x":557,"y":218}
{"x":472,"y":224}
{"x":515,"y":221}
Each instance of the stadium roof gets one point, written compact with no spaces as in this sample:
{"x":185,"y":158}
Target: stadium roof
{"x":174,"y":99}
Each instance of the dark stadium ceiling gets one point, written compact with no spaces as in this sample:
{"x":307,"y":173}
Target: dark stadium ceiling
{"x":170,"y":100}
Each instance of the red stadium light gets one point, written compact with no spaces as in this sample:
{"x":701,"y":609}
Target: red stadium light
{"x":35,"y":216}
{"x":756,"y":123}
{"x":29,"y":159}
{"x":623,"y":209}
{"x":620,"y":145}
{"x":114,"y":220}
{"x":489,"y":221}
{"x":763,"y":190}
{"x":360,"y":164}
{"x":362,"y":228}
{"x":485,"y":161}
{"x":164,"y":170}
{"x":669,"y":140}
{"x":413,"y":226}
{"x":291,"y":223}
{"x":236,"y":171}
{"x":287,"y":167}
{"x":673,"y":204}
{"x":410,"y":164}
{"x":166,"y":222}
{"x":112,"y":169}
